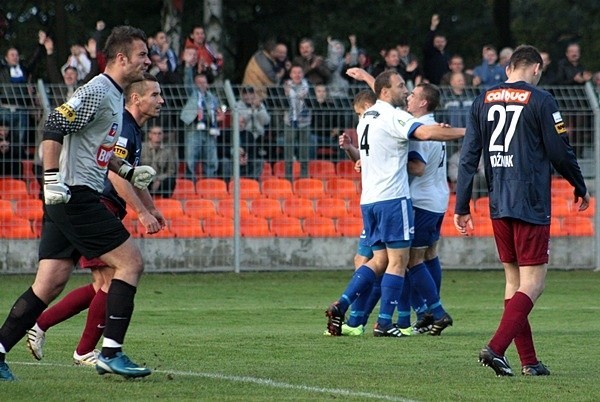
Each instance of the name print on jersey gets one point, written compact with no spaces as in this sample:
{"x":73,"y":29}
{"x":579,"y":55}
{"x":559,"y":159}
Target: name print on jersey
{"x":507,"y":95}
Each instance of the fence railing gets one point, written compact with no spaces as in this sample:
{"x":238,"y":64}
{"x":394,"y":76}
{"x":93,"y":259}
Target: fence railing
{"x":314,"y":154}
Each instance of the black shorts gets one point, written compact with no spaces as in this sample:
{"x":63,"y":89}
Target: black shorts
{"x":83,"y":226}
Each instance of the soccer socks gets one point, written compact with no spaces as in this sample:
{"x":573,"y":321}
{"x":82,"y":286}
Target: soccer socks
{"x":94,"y":325}
{"x":391,"y":289}
{"x":72,"y":304}
{"x":524,"y":344}
{"x":404,"y":304}
{"x":119,"y":309}
{"x":373,"y":299}
{"x":361,"y":281}
{"x":435,"y":269}
{"x":22,"y":316}
{"x":421,"y":281}
{"x":357,"y":313}
{"x":512,"y":323}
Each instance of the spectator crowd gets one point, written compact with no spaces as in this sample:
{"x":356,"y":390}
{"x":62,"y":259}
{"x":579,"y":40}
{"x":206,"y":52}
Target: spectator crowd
{"x":292,"y":106}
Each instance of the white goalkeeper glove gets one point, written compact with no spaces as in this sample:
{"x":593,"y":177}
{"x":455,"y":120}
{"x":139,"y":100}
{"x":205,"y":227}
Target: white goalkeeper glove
{"x":55,"y":191}
{"x":139,"y":176}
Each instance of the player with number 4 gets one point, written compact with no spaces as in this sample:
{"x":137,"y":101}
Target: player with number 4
{"x":522,"y":136}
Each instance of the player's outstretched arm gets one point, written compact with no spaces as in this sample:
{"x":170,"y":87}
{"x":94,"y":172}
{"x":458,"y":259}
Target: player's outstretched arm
{"x":361,"y":75}
{"x":436,"y":132}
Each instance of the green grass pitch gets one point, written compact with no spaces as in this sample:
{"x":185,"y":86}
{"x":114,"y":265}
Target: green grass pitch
{"x":258,"y":336}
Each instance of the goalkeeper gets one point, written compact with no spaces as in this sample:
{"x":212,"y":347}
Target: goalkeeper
{"x":79,"y":139}
{"x":142,"y":102}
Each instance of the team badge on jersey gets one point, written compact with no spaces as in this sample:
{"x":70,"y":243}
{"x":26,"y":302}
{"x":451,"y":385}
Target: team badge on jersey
{"x":113,"y":131}
{"x":121,"y":148}
{"x":560,"y":128}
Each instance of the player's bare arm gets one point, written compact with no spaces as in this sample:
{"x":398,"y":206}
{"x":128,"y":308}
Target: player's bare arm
{"x":438,"y":133}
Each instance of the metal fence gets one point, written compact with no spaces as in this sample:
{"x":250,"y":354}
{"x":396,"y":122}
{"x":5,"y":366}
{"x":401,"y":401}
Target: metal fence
{"x":240,"y":213}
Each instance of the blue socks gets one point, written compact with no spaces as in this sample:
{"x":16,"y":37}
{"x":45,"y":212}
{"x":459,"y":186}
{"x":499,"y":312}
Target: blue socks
{"x":404,"y":304}
{"x":391,"y":290}
{"x":361,"y":281}
{"x":435,"y":269}
{"x":422,"y":281}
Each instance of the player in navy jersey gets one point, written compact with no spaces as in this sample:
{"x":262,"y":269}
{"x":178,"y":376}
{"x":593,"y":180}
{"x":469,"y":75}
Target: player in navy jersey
{"x":522,"y":135}
{"x":78,"y":142}
{"x":386,"y":206}
{"x":143,"y":101}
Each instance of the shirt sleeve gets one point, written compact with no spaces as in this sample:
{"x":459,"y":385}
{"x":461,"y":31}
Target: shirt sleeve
{"x":556,"y":142}
{"x":468,"y":163}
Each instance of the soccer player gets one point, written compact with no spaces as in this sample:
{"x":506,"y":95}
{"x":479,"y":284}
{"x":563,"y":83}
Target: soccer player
{"x":522,"y":135}
{"x":78,"y":141}
{"x":143,"y":101}
{"x":386,"y":206}
{"x":429,"y":193}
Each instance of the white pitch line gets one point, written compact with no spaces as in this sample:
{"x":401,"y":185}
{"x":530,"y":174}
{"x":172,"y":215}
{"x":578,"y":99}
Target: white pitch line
{"x":255,"y":380}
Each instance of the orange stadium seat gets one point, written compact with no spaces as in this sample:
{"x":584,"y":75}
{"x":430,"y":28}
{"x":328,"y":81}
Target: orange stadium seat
{"x":334,"y":208}
{"x":298,"y":208}
{"x":184,"y":189}
{"x":187,"y":227}
{"x":590,"y":212}
{"x":341,"y":188}
{"x":309,"y":188}
{"x":267,"y":171}
{"x":287,"y":227}
{"x":448,"y":229}
{"x":249,"y":188}
{"x":482,"y":207}
{"x":169,"y":207}
{"x":483,"y":226}
{"x":218,"y":227}
{"x":321,"y":169}
{"x":345,"y":170}
{"x":6,"y":211}
{"x":578,"y":226}
{"x":349,"y":226}
{"x":556,"y":229}
{"x":200,"y":208}
{"x":319,"y":227}
{"x":279,"y":169}
{"x":211,"y":189}
{"x":561,"y":207}
{"x":225,"y":208}
{"x":254,"y":227}
{"x":13,"y":189}
{"x":17,"y":228}
{"x":561,"y":188}
{"x":354,"y":207}
{"x":34,"y":189}
{"x":130,"y":224}
{"x":266,"y":208}
{"x":277,"y":188}
{"x":32,"y":209}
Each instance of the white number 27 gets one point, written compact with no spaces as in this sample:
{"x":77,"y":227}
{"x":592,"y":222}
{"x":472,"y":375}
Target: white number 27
{"x":501,"y":113}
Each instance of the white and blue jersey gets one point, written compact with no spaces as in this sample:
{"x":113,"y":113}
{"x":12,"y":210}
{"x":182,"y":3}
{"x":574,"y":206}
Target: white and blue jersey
{"x":384,"y":133}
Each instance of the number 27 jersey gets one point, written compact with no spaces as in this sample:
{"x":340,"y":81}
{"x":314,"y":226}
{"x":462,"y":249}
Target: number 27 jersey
{"x":521,"y":133}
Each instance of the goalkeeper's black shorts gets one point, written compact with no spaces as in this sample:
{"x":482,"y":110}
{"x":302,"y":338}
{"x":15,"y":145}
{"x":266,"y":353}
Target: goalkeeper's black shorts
{"x":81,"y":227}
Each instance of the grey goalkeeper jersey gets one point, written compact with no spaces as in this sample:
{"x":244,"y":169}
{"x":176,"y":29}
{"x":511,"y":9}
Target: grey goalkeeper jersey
{"x":90,"y":121}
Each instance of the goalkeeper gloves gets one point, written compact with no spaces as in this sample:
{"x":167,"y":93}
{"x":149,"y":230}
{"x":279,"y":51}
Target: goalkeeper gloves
{"x":139,"y":176}
{"x":55,"y":191}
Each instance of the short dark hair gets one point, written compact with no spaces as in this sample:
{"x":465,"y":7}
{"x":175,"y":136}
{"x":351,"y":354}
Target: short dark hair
{"x":364,"y":96}
{"x":383,"y":80}
{"x":138,"y":86}
{"x":431,"y":93}
{"x":120,"y":40}
{"x":526,"y":55}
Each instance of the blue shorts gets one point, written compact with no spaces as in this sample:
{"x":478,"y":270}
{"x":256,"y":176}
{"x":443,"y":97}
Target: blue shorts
{"x":388,"y":223}
{"x":427,"y":228}
{"x":364,"y":250}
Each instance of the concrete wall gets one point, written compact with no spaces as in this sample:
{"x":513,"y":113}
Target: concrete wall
{"x":203,"y":255}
